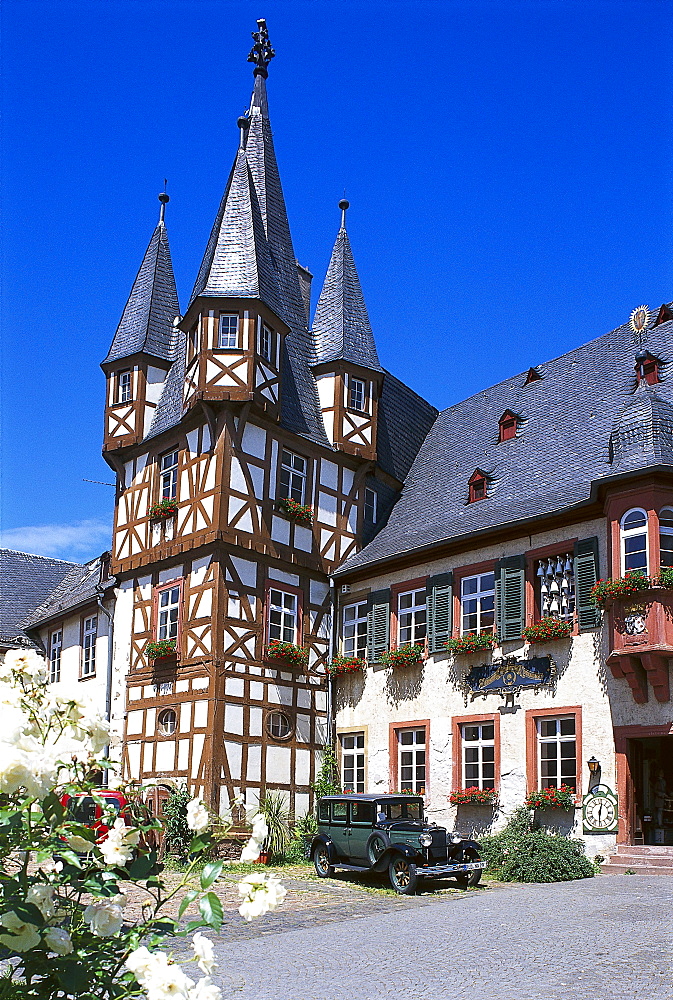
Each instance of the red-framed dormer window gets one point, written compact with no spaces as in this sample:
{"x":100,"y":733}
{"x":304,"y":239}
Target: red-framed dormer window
{"x":507,"y":426}
{"x":647,"y":368}
{"x":477,"y":486}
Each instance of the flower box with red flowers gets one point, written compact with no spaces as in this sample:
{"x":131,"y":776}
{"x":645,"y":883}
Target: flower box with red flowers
{"x":605,"y":591}
{"x":403,"y":656}
{"x":163,"y":509}
{"x":345,"y":665}
{"x":472,"y":643}
{"x":161,"y":649}
{"x":473,"y":797}
{"x":287,"y":652}
{"x":546,"y":630}
{"x":300,"y":513}
{"x":551,"y":798}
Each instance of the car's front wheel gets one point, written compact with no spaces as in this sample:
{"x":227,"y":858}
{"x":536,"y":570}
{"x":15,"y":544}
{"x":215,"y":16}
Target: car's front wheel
{"x":321,"y":861}
{"x":468,"y":879}
{"x":403,"y":876}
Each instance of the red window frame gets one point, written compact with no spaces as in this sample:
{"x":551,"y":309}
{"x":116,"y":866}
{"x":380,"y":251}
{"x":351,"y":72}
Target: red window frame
{"x":507,"y":426}
{"x":457,"y":722}
{"x":393,"y":744}
{"x":532,"y":716}
{"x":477,"y":486}
{"x":533,"y":611}
{"x":159,"y":588}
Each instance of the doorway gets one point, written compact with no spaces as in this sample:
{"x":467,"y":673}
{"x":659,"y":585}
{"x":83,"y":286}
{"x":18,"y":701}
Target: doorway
{"x":651,"y":760}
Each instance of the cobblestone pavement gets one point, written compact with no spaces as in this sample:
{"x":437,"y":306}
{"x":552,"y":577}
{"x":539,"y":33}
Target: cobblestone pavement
{"x":607,"y":938}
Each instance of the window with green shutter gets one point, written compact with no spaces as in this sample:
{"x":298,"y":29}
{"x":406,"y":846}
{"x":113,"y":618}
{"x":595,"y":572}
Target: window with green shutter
{"x":439,"y":607}
{"x":378,"y":625}
{"x":510,"y":597}
{"x":586,"y":575}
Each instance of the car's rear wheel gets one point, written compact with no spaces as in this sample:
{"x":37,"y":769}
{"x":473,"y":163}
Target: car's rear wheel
{"x":467,"y":880}
{"x":376,"y":846}
{"x":403,"y":876}
{"x":321,"y":861}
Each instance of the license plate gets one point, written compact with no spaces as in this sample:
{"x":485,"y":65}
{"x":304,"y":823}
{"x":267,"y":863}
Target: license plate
{"x":473,"y":866}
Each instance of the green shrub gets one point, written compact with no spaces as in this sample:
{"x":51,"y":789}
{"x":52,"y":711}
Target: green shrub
{"x":293,"y":854}
{"x":523,"y":852}
{"x":274,"y":809}
{"x":174,"y":817}
{"x":305,"y":826}
{"x":327,"y":782}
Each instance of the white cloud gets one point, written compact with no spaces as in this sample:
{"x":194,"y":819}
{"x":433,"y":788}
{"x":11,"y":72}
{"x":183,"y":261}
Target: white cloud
{"x":77,"y":542}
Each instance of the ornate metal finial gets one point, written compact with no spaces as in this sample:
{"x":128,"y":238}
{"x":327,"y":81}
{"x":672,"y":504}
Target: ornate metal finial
{"x":262,"y":52}
{"x":344,"y":206}
{"x":164,"y":199}
{"x":639,"y":321}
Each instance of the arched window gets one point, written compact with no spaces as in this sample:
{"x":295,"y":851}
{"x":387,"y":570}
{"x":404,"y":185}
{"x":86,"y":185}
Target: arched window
{"x":666,"y":537}
{"x":634,"y":540}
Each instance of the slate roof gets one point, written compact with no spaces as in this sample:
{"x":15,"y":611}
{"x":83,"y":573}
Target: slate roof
{"x":78,"y":587}
{"x":26,"y":580}
{"x":404,"y":419}
{"x":147,"y":320}
{"x":341,"y":328}
{"x":563,"y":445}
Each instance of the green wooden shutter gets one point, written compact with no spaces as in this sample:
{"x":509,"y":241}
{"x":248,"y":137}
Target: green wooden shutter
{"x":378,"y":624}
{"x":586,"y":575}
{"x":510,"y":597}
{"x":439,"y":608}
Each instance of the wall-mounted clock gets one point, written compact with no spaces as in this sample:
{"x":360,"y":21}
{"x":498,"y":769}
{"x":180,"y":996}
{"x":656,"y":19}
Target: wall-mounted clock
{"x":599,"y":810}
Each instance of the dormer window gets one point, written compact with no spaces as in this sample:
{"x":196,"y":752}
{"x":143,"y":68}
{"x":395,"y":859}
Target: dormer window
{"x":477,"y":486}
{"x":356,"y":394}
{"x":228,"y":337}
{"x":123,"y":394}
{"x":647,"y":368}
{"x":532,"y":375}
{"x":664,"y":315}
{"x":507,"y":426}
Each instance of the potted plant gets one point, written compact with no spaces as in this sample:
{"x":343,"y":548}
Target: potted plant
{"x":300,"y":513}
{"x":472,"y":642}
{"x":551,"y":798}
{"x":345,"y":665}
{"x":546,"y":630}
{"x":287,"y":652}
{"x":403,"y":656}
{"x":473,"y":797}
{"x":160,"y":649}
{"x":163,"y":509}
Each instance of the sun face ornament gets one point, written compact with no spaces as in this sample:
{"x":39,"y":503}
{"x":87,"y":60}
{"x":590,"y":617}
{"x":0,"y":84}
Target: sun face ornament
{"x":639,"y":319}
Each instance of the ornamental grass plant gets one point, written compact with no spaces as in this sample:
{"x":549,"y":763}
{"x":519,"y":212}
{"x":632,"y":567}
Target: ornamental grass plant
{"x":523,"y":852}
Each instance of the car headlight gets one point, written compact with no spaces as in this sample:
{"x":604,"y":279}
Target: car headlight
{"x":455,"y":838}
{"x":425,"y":839}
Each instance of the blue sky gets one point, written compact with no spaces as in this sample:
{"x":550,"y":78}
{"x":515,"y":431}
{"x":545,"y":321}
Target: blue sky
{"x":508,"y":167}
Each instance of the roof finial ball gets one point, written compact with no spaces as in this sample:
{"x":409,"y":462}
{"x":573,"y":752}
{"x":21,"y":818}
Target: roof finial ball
{"x":344,"y":206}
{"x":164,"y":199}
{"x":262,"y":52}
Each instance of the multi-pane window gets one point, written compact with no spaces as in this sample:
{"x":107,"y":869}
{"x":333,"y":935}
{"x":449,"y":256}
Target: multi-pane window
{"x":556,"y":587}
{"x":283,"y":615}
{"x":634,"y":540}
{"x":167,"y":721}
{"x":477,"y":603}
{"x":278,"y":725}
{"x":356,"y":394}
{"x":168,"y":617}
{"x":228,"y":333}
{"x":666,"y":537}
{"x":292,"y":476}
{"x":124,"y":386}
{"x":354,"y":641}
{"x":478,"y":755}
{"x":168,"y":464}
{"x":411,"y":760}
{"x":411,"y":617}
{"x":266,"y":342}
{"x":370,"y":505}
{"x":55,"y":647}
{"x":557,"y":752}
{"x":89,"y":634}
{"x":352,"y":762}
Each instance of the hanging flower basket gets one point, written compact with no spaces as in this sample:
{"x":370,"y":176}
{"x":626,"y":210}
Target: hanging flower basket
{"x":287,"y":652}
{"x":471,"y":643}
{"x":300,"y":513}
{"x":403,"y":656}
{"x":623,"y":586}
{"x":345,"y":665}
{"x":546,"y":630}
{"x":473,"y":797}
{"x":159,"y":650}
{"x":165,"y":508}
{"x":552,"y":798}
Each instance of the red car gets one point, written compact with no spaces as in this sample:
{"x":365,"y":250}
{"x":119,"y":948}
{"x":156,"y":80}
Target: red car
{"x":83,"y":809}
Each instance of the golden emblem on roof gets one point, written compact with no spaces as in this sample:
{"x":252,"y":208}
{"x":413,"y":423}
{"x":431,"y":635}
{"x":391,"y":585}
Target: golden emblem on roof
{"x":640,"y":318}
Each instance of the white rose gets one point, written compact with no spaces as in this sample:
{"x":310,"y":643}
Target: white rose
{"x":14,"y":723}
{"x":14,"y":770}
{"x":58,"y":940}
{"x":161,"y":979}
{"x":260,"y":893}
{"x":50,"y":866}
{"x":197,"y":816}
{"x":98,"y":732}
{"x":22,"y":937}
{"x":104,"y":917}
{"x":117,"y":848}
{"x":251,"y":851}
{"x":139,"y":961}
{"x":205,"y":989}
{"x":260,"y":830}
{"x":28,"y":663}
{"x":42,"y":896}
{"x":204,"y":953}
{"x":79,"y":844}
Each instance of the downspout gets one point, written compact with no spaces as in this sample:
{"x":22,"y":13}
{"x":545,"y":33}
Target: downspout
{"x":330,"y":681}
{"x":108,"y":685}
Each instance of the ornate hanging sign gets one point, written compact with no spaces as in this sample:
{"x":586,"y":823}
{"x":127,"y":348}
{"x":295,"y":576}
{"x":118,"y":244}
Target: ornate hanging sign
{"x":508,"y":675}
{"x":639,"y":319}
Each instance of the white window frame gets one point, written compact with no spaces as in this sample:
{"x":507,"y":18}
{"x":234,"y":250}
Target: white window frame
{"x":163,"y":728}
{"x":357,"y":394}
{"x":89,"y":637}
{"x":124,"y":386}
{"x":478,"y":595}
{"x":638,"y":531}
{"x":667,"y":531}
{"x":283,"y":615}
{"x":371,"y":505}
{"x":484,"y":747}
{"x":415,"y":627}
{"x":546,"y":781}
{"x":227,"y":339}
{"x":353,"y":758}
{"x":292,"y":479}
{"x":168,"y":612}
{"x":417,"y":751}
{"x":168,"y":471}
{"x":354,"y":629}
{"x":55,"y":650}
{"x":279,"y":725}
{"x":266,"y":343}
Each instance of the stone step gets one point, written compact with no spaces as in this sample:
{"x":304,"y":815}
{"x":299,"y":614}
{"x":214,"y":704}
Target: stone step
{"x":652,"y":861}
{"x":620,"y":868}
{"x":645,"y":850}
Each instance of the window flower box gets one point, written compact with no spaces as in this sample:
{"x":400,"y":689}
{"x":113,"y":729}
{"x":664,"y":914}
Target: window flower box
{"x":163,"y":509}
{"x":471,"y":643}
{"x":473,"y":797}
{"x":287,"y":652}
{"x":605,"y":591}
{"x":300,"y":513}
{"x":546,"y":630}
{"x":403,"y":656}
{"x":345,"y":665}
{"x":551,"y":798}
{"x":161,"y":649}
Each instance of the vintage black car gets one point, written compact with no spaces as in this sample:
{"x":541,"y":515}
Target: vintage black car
{"x":390,"y":832}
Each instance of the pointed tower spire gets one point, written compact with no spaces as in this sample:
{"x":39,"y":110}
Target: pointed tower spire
{"x":341,"y":328}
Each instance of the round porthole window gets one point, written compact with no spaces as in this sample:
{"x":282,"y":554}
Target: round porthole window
{"x":167,"y":721}
{"x":278,"y":725}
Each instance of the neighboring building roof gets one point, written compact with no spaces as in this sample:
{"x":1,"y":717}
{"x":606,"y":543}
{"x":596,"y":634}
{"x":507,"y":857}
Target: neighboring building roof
{"x":26,"y":580}
{"x":404,"y":420}
{"x":563,"y":445}
{"x":147,"y":321}
{"x":80,"y":586}
{"x":341,"y":328}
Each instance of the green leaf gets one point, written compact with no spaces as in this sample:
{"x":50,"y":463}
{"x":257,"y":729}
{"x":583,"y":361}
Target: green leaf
{"x":28,"y":912}
{"x":211,"y":872}
{"x":211,"y":910}
{"x":52,"y":809}
{"x":193,"y":925}
{"x":188,"y":898}
{"x":199,"y":842}
{"x":142,"y":866}
{"x":73,"y":975}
